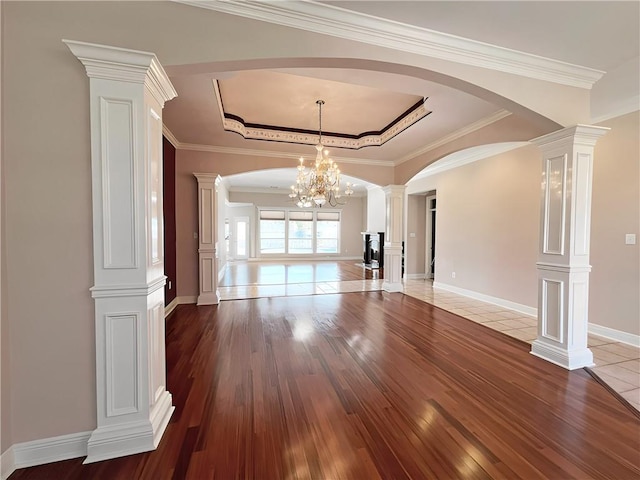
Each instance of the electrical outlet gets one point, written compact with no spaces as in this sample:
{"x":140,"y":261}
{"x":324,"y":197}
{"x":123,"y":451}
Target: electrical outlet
{"x":453,"y":274}
{"x":630,"y":239}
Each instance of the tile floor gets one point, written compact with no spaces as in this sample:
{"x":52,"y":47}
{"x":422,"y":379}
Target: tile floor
{"x":617,"y":364}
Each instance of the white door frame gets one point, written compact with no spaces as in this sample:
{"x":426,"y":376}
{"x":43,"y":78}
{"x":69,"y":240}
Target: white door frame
{"x":428,"y":266}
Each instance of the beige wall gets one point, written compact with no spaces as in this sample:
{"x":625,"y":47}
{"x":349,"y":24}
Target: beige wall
{"x":376,"y":207}
{"x":487,"y":225}
{"x":614,"y":290}
{"x":5,"y":358}
{"x":48,"y":233}
{"x":415,"y":246}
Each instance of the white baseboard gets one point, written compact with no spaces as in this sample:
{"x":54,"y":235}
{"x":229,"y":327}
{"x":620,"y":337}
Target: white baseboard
{"x":7,"y":463}
{"x":184,"y":300}
{"x":518,"y":307}
{"x":601,"y":331}
{"x":415,"y":276}
{"x":613,"y":334}
{"x":187,"y":299}
{"x":47,"y":450}
{"x":171,"y":307}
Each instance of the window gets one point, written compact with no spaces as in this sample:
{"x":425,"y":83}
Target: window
{"x":299,"y":232}
{"x":272,"y":231}
{"x":327,"y":232}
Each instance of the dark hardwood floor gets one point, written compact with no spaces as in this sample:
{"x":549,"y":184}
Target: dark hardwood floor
{"x":365,"y":386}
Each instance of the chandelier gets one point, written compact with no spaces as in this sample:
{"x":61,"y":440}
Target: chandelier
{"x":319,"y":185}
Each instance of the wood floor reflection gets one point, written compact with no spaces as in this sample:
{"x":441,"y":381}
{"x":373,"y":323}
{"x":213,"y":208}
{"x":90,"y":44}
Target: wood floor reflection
{"x":279,"y":279}
{"x":364,"y":386}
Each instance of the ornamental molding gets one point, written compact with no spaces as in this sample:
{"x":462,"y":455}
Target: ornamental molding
{"x":128,"y":290}
{"x":328,"y":140}
{"x":342,"y":23}
{"x":124,"y":65}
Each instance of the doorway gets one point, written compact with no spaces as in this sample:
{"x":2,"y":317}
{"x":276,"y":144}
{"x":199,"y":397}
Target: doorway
{"x":240,"y":238}
{"x":430,"y":254}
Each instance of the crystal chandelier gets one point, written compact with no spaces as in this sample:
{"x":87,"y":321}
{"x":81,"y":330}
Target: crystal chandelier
{"x":319,"y":185}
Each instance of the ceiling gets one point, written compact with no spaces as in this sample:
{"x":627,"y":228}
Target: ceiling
{"x":598,"y":35}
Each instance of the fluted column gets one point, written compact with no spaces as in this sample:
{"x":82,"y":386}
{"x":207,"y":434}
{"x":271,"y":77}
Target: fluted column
{"x":563,"y":256}
{"x":207,"y":238}
{"x":394,"y":214}
{"x":127,"y":90}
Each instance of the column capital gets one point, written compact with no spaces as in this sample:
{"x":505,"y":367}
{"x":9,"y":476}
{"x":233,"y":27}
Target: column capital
{"x":586,"y":135}
{"x":394,"y":189}
{"x":124,"y":65}
{"x":208,"y":177}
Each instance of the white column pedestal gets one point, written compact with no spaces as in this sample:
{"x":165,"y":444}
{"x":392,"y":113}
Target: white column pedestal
{"x":563,"y":258}
{"x":127,"y":92}
{"x":394,"y":199}
{"x":207,"y":239}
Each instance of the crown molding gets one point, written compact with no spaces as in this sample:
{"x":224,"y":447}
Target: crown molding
{"x":483,"y":122}
{"x":274,"y":154}
{"x":170,"y":136}
{"x":630,"y":105}
{"x":464,"y":157}
{"x":342,"y":23}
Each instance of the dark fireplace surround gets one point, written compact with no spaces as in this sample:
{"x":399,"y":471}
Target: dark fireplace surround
{"x":373,"y":247}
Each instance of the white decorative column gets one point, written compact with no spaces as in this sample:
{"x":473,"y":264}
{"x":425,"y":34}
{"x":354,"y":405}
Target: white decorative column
{"x":563,"y":258}
{"x":207,"y":238}
{"x":394,"y":200}
{"x":127,"y":90}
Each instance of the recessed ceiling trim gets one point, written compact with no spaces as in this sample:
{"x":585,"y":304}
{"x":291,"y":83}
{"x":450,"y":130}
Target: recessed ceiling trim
{"x":483,"y":122}
{"x":276,"y":133}
{"x":342,"y":23}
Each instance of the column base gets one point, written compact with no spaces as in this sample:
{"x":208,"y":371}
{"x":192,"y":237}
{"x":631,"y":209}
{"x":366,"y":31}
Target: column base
{"x":133,"y":437}
{"x":210,"y":298}
{"x":392,"y":287}
{"x":569,"y":359}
